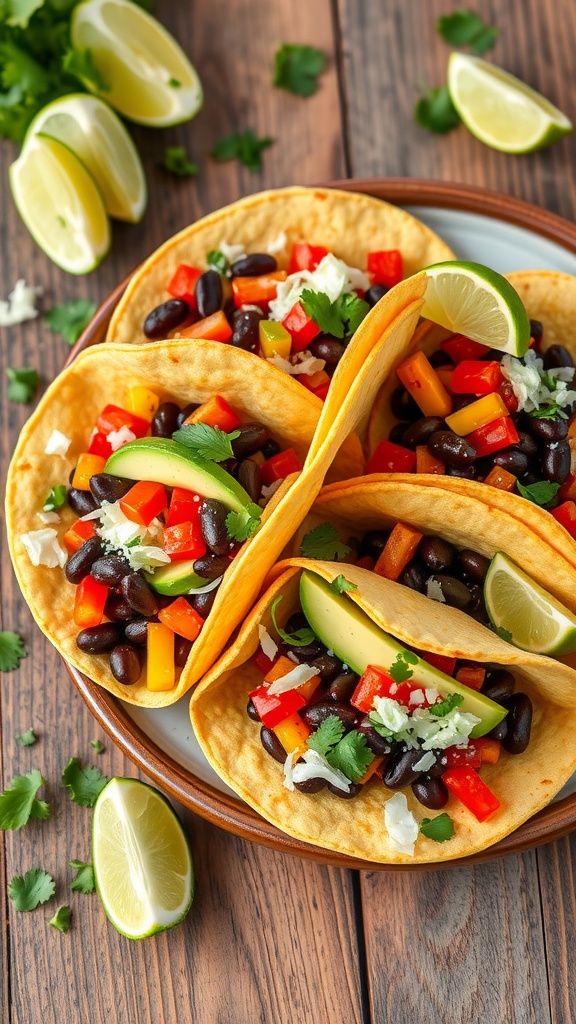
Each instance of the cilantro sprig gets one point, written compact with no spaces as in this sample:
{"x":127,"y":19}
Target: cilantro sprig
{"x":211,"y":443}
{"x":55,"y":499}
{"x":297,"y":68}
{"x":11,"y":650}
{"x":176,"y":161}
{"x":19,"y":803}
{"x":340,"y":318}
{"x":349,"y":753}
{"x":244,"y":147}
{"x":439,"y":828}
{"x":62,"y":919}
{"x":30,"y":890}
{"x":27,"y":739}
{"x":84,"y":879}
{"x":98,"y":746}
{"x":217,"y":261}
{"x":242,"y":525}
{"x":466,"y":28}
{"x":540,"y":493}
{"x":400,"y":669}
{"x":22,"y":383}
{"x":70,"y":318}
{"x":443,"y":707}
{"x":84,"y":783}
{"x":435,"y":111}
{"x":300,"y":638}
{"x":341,"y":585}
{"x":323,"y":542}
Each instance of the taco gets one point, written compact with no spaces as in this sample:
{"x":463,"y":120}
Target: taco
{"x":368,"y":740}
{"x":287,"y":274}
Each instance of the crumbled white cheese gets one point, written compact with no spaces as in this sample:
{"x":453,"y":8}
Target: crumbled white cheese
{"x":401,"y":825}
{"x":304,"y":363}
{"x":268,"y":645}
{"x":232,"y":252}
{"x":425,"y":762}
{"x":391,"y":714}
{"x":431,"y":695}
{"x":434,"y":590}
{"x":316,"y":767}
{"x":48,"y":517}
{"x":332,"y":276}
{"x":423,"y":728}
{"x":417,"y":697}
{"x":57,"y":444}
{"x":251,"y":306}
{"x":44,"y":548}
{"x":533,"y":386}
{"x":297,"y":676}
{"x":20,"y":304}
{"x":118,"y":438}
{"x":277,"y":244}
{"x":269,"y":489}
{"x":118,"y":532}
{"x":288,"y":770}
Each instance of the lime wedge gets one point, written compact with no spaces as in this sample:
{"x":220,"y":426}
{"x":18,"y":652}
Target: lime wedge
{"x":500,"y":110}
{"x":96,"y":135}
{"x":536,"y":621}
{"x":141,"y":858}
{"x":60,"y":204}
{"x":149,"y":78}
{"x":473,"y":300}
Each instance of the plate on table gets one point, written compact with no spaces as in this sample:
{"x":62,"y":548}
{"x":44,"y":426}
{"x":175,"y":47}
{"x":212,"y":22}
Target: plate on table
{"x":505,"y":233}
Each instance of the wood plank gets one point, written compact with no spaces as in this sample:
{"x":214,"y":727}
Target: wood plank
{"x":462,"y":944}
{"x":558,"y":896}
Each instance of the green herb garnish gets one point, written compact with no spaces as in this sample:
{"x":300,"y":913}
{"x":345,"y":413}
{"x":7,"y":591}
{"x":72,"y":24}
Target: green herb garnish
{"x":176,"y":161}
{"x":80,"y":64}
{"x":323,"y":542}
{"x":327,"y":735}
{"x":30,"y":890}
{"x":11,"y":650}
{"x":71,"y":318}
{"x":211,"y":443}
{"x":400,"y":670}
{"x":547,"y":412}
{"x":443,"y":707}
{"x":18,"y":802}
{"x":348,"y":753}
{"x":217,"y":261}
{"x":541,"y":493}
{"x":98,"y":746}
{"x":340,"y":318}
{"x":56,"y":499}
{"x":61,"y":919}
{"x":301,"y":638}
{"x":466,"y":28}
{"x":84,"y":879}
{"x":242,"y":525}
{"x":439,"y":828}
{"x":435,"y":111}
{"x":341,"y":585}
{"x":244,"y":147}
{"x":22,"y":383}
{"x":504,"y":634}
{"x":27,"y":739}
{"x":84,"y":783}
{"x":297,"y":68}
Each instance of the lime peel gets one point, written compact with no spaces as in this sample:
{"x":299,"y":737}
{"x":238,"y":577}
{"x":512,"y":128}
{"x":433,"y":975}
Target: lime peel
{"x":537,"y":622}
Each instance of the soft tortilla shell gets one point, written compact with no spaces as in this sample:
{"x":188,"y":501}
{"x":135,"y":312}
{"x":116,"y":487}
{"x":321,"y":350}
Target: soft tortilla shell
{"x":347,"y":223}
{"x":550,"y":297}
{"x":523,"y":783}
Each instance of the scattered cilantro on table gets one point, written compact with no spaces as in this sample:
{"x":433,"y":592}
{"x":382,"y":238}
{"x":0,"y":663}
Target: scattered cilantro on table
{"x":84,"y":880}
{"x":439,"y":828}
{"x":340,"y":585}
{"x":540,"y":493}
{"x":323,"y":542}
{"x":211,"y":443}
{"x":98,"y":746}
{"x":348,"y":753}
{"x":242,"y":525}
{"x":18,"y":803}
{"x":300,"y":638}
{"x":22,"y":383}
{"x":244,"y":147}
{"x":70,"y":318}
{"x":466,"y":28}
{"x":61,"y":919}
{"x":56,"y":499}
{"x":435,"y":111}
{"x":340,"y":318}
{"x":84,"y":783}
{"x":30,"y":890}
{"x":297,"y":68}
{"x":11,"y":650}
{"x":176,"y":161}
{"x":27,"y":739}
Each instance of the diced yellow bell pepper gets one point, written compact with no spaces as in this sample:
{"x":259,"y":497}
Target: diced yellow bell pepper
{"x":143,"y":403}
{"x":87,"y":466}
{"x":292,"y":733}
{"x":477,"y":415}
{"x":274,"y":339}
{"x":160,"y":670}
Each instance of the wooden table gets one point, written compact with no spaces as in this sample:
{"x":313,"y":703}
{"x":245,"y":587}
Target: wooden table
{"x":272,"y":938}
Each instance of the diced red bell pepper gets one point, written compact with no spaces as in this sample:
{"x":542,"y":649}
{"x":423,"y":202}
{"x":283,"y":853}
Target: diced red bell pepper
{"x":184,"y":540}
{"x":274,"y":709}
{"x":280,"y":466}
{"x":80,"y":531}
{"x":306,"y":257}
{"x":385,"y":267}
{"x":212,"y":328}
{"x":376,"y":682}
{"x":184,"y":507}
{"x":144,"y":502}
{"x":466,"y":784}
{"x":216,"y":413}
{"x":183,"y":282}
{"x":89,"y":602}
{"x":318,"y":383}
{"x":565,"y":514}
{"x":300,"y":327}
{"x":391,"y":458}
{"x":440,"y":661}
{"x":501,"y":433}
{"x":475,"y":377}
{"x":113,"y":417}
{"x":472,"y":676}
{"x":367,"y":562}
{"x":462,"y":756}
{"x":182,"y":618}
{"x":100,"y":445}
{"x":567,"y":491}
{"x":262,"y":662}
{"x":459,"y":347}
{"x":257,"y":291}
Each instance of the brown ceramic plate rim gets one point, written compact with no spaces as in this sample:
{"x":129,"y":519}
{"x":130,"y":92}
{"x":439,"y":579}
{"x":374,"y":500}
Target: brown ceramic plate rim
{"x":220,"y":808}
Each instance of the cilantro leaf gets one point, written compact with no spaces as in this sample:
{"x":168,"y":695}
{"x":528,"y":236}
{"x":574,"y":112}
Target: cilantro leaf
{"x":18,"y":803}
{"x":351,"y":755}
{"x":327,"y":735}
{"x":340,"y":585}
{"x":323,"y":312}
{"x":504,"y":634}
{"x":352,"y":310}
{"x":400,"y":670}
{"x":56,"y":499}
{"x":466,"y":28}
{"x":445,"y":706}
{"x":211,"y":443}
{"x":20,"y":11}
{"x":27,"y":739}
{"x":546,"y":412}
{"x":323,"y":542}
{"x":80,"y":64}
{"x":70,"y":318}
{"x":134,"y":543}
{"x":84,"y":880}
{"x":297,"y":68}
{"x":22,"y":384}
{"x":11,"y":650}
{"x":244,"y":147}
{"x":176,"y":161}
{"x":242,"y":525}
{"x":439,"y":828}
{"x":30,"y":890}
{"x":98,"y":746}
{"x":301,"y":638}
{"x":61,"y":919}
{"x":435,"y":111}
{"x":542,"y":492}
{"x":84,"y":783}
{"x":217,"y":261}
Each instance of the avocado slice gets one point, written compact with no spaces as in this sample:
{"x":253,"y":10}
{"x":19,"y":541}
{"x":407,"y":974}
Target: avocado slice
{"x":345,"y":629}
{"x":175,"y":578}
{"x":164,"y":461}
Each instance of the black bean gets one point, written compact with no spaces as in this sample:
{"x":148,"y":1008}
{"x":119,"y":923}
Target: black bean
{"x":414,"y":575}
{"x":246,"y":330}
{"x":375,"y":293}
{"x":373,"y":543}
{"x":79,"y":564}
{"x":315,"y":714}
{"x":472,"y":564}
{"x":251,"y":439}
{"x":422,"y":429}
{"x":303,"y":654}
{"x":536,"y":331}
{"x":213,"y":525}
{"x":342,"y":687}
{"x":461,"y":401}
{"x":328,"y":349}
{"x":251,"y":711}
{"x":165,"y":318}
{"x":182,"y":648}
{"x":549,"y":430}
{"x":477,"y":608}
{"x":136,"y":631}
{"x":271,"y":448}
{"x":202,"y":603}
{"x":272,"y":744}
{"x":455,"y":593}
{"x":499,"y":685}
{"x":249,"y":477}
{"x":208,"y":293}
{"x":499,"y":731}
{"x":526,"y":444}
{"x":556,"y":356}
{"x":403,"y":405}
{"x":296,"y":621}
{"x":186,"y":412}
{"x":254,"y":265}
{"x":111,"y":570}
{"x":125,"y":664}
{"x":101,"y":638}
{"x":379,"y":745}
{"x":450,"y":448}
{"x":106,"y":487}
{"x":556,"y":461}
{"x":310,"y":785}
{"x":439,"y":358}
{"x":436,"y":553}
{"x":354,"y":788}
{"x":139,"y":595}
{"x":81,"y":502}
{"x":463,"y":472}
{"x":328,"y":666}
{"x":210,"y":567}
{"x":399,"y":771}
{"x":117,"y":609}
{"x":519,"y":722}
{"x":165,"y":421}
{"x":396,"y":434}
{"x":511,"y":459}
{"x":430,"y":791}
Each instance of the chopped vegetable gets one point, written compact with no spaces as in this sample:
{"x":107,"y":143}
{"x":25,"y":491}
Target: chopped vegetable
{"x":301,"y":327}
{"x":459,"y":348}
{"x":276,"y":708}
{"x":501,"y":478}
{"x":259,"y":291}
{"x":274,"y":339}
{"x":466,"y":784}
{"x":87,"y":467}
{"x":79,"y":532}
{"x":476,"y":377}
{"x":89,"y":602}
{"x":399,"y":549}
{"x":113,"y":418}
{"x":305,"y":257}
{"x":385,"y":267}
{"x":144,"y":502}
{"x":160,"y":670}
{"x":428,"y":463}
{"x":184,"y":541}
{"x":182,"y":284}
{"x":280,"y":466}
{"x":143,"y":403}
{"x":214,"y":328}
{"x":424,"y":385}
{"x":55,"y":499}
{"x":182,"y":618}
{"x":477,"y":415}
{"x":501,"y":433}
{"x":565,"y":514}
{"x":216,"y":413}
{"x":293,"y":733}
{"x":388,"y":457}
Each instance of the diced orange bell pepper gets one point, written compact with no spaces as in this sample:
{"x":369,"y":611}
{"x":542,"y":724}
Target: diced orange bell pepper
{"x":366,"y":563}
{"x":424,"y":385}
{"x":280,"y":668}
{"x":472,"y":676}
{"x":488,"y":748}
{"x":371,"y":770}
{"x":216,"y":413}
{"x":182,"y":618}
{"x":274,"y":339}
{"x":500,"y":478}
{"x":80,"y":531}
{"x":293,"y":733}
{"x":213,"y":328}
{"x":445,"y":374}
{"x":257,"y":291}
{"x":477,"y":414}
{"x":89,"y":602}
{"x":397,"y":552}
{"x":428,"y":463}
{"x":144,"y":502}
{"x":143,"y":403}
{"x":87,"y":467}
{"x":318,"y":383}
{"x":160,"y":665}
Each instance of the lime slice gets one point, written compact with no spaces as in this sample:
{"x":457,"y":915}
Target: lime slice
{"x":149,"y":78}
{"x":536,"y":621}
{"x":141,"y":858}
{"x":60,"y":204}
{"x":500,"y":110}
{"x":94,"y":133}
{"x":473,"y":300}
